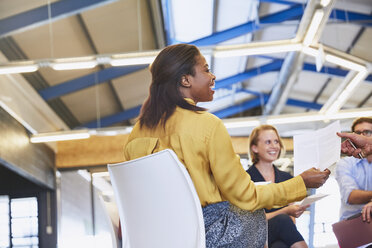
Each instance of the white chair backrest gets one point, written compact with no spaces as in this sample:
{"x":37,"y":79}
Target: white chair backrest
{"x":157,"y":201}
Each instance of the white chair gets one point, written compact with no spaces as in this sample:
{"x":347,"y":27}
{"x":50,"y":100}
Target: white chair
{"x":158,"y":204}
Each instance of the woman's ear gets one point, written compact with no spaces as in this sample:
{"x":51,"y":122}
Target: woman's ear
{"x":185,"y":82}
{"x":254,"y":148}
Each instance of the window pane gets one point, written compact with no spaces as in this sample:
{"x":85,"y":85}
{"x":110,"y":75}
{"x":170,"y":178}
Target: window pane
{"x":24,"y":207}
{"x":24,"y":219}
{"x":4,"y":221}
{"x":27,"y":226}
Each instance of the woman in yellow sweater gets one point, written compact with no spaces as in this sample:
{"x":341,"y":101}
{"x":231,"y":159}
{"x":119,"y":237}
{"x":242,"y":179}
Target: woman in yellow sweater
{"x":170,"y":119}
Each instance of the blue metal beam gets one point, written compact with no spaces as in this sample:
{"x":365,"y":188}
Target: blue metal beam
{"x":275,"y":66}
{"x":134,"y":112}
{"x":232,"y":110}
{"x":39,"y":16}
{"x":290,"y":101}
{"x":218,"y":37}
{"x":88,"y":81}
{"x":326,"y":70}
{"x":116,"y":118}
{"x":304,"y":104}
{"x":226,"y":82}
{"x":330,"y":71}
{"x":369,"y":78}
{"x":348,"y":16}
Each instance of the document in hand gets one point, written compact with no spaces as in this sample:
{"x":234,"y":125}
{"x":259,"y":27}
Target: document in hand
{"x":311,"y":199}
{"x":319,"y":149}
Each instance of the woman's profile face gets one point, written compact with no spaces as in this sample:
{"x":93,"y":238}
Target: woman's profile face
{"x":268,"y":146}
{"x":202,"y":82}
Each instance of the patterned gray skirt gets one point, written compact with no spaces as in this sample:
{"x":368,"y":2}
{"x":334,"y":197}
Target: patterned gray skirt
{"x":229,"y":226}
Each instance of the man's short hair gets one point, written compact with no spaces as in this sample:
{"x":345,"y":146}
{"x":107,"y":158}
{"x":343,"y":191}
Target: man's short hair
{"x":360,"y":120}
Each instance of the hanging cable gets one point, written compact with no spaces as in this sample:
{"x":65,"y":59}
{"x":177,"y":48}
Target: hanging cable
{"x":139,"y":25}
{"x":50,"y":30}
{"x":98,"y":110}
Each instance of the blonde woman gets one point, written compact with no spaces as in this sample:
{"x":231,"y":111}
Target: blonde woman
{"x":265,"y":147}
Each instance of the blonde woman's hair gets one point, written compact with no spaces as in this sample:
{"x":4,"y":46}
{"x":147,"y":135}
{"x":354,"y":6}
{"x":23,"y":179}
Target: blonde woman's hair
{"x":253,"y":140}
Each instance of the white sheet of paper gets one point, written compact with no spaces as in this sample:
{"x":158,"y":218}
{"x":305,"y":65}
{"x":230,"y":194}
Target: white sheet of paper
{"x":319,"y":149}
{"x":311,"y":199}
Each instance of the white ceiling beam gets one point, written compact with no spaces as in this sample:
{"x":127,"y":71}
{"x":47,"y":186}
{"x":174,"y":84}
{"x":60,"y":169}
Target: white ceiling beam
{"x":309,"y":31}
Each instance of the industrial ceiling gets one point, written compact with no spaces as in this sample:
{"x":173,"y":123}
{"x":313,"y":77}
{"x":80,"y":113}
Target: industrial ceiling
{"x":257,"y":84}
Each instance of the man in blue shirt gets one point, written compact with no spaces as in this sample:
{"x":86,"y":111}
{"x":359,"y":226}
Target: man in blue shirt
{"x":354,"y":176}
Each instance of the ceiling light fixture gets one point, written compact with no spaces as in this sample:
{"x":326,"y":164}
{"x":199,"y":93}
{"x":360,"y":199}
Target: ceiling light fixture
{"x":78,"y":134}
{"x":60,"y":136}
{"x":18,"y":68}
{"x":257,"y":48}
{"x":74,"y":63}
{"x":313,"y":27}
{"x":133,"y":58}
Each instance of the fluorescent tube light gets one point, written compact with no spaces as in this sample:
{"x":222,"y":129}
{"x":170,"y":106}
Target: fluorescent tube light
{"x":132,"y":61}
{"x":256,"y":48}
{"x":111,"y":131}
{"x":59,"y":66}
{"x":20,"y":68}
{"x":140,"y":58}
{"x":60,"y":136}
{"x":74,"y":63}
{"x":313,"y":27}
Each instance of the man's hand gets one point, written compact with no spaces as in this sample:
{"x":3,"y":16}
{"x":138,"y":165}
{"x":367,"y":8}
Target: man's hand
{"x":367,"y":212}
{"x":362,"y":143}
